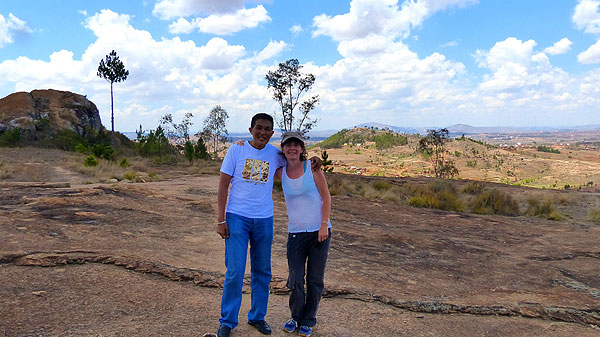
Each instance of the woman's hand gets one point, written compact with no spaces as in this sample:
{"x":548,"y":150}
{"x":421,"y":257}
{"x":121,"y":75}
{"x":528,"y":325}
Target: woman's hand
{"x":323,"y":233}
{"x":240,"y":142}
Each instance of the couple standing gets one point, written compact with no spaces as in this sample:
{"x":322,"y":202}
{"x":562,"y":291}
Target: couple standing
{"x":247,"y":216}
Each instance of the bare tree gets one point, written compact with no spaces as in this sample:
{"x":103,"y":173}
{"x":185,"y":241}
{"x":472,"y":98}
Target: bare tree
{"x":174,"y":130}
{"x":215,"y":131}
{"x":289,"y":85}
{"x":112,"y":70}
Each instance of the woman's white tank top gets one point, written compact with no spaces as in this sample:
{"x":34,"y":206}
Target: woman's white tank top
{"x":303,"y":201}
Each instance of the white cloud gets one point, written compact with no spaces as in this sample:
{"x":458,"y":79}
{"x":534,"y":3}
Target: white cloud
{"x":559,"y":47}
{"x":450,"y":44}
{"x":223,"y":24}
{"x":83,"y":12}
{"x":181,"y":26}
{"x":169,"y":9}
{"x":587,"y":16}
{"x":522,"y":82}
{"x":380,"y":17}
{"x":296,"y":29}
{"x":10,"y":26}
{"x":511,"y":50}
{"x":591,"y":55}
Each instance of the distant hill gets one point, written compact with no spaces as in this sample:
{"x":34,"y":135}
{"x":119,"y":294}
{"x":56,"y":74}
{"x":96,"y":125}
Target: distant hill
{"x":398,"y":129}
{"x":359,"y":136}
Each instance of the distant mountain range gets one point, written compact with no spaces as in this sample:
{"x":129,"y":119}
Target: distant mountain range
{"x":468,"y":129}
{"x":456,"y":129}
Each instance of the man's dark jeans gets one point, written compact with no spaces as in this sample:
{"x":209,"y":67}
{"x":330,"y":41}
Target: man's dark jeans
{"x":304,"y":250}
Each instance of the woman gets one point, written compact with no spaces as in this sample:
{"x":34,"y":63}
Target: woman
{"x":308,"y":206}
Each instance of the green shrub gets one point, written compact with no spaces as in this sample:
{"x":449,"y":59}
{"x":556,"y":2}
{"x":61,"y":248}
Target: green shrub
{"x":90,"y":161}
{"x":544,"y":209}
{"x":472,"y":163}
{"x":277,"y":185}
{"x":494,"y":202}
{"x":594,"y":214}
{"x":124,"y":163}
{"x":67,"y":140}
{"x":103,"y":151}
{"x":81,"y":148}
{"x":10,"y":138}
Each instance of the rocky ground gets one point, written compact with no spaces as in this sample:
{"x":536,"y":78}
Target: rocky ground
{"x":143,"y":259}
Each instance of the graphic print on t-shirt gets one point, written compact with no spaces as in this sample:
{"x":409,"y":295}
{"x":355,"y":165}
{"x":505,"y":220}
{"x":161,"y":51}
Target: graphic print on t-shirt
{"x":247,"y":169}
{"x":256,"y":170}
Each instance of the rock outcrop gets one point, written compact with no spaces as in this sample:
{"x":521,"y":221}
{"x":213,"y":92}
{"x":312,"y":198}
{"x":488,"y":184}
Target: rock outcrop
{"x":49,"y":112}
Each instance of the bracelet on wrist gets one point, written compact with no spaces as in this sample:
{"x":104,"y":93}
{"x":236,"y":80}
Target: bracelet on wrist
{"x":222,"y":222}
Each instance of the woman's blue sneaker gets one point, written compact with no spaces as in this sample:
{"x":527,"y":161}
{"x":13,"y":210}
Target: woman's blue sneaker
{"x":290,"y":326}
{"x":304,"y":331}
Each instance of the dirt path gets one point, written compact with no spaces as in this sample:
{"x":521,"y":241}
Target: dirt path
{"x":143,"y":260}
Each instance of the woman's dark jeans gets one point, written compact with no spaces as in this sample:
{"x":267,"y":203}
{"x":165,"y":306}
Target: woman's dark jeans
{"x":304,"y":250}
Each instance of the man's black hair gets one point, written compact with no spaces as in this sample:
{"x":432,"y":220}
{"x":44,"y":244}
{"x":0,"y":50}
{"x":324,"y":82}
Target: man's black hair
{"x":264,"y":116}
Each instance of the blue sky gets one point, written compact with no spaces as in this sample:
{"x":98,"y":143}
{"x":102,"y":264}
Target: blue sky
{"x":419,"y":63}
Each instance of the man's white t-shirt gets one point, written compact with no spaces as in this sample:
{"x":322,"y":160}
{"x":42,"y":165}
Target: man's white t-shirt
{"x":252,"y":171}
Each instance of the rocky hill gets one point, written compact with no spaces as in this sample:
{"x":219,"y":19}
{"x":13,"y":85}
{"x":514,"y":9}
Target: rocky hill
{"x":42,"y":113}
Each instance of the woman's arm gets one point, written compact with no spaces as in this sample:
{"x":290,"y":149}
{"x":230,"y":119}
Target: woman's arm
{"x":321,"y":183}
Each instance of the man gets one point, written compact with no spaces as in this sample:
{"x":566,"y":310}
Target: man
{"x":248,"y":218}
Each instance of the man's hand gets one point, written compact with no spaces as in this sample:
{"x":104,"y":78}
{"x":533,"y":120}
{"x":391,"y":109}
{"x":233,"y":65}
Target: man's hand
{"x":223,"y":230}
{"x":316,"y":163}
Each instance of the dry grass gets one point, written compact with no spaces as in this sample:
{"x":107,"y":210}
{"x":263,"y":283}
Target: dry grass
{"x":594,"y":214}
{"x":494,"y":202}
{"x":545,"y":209}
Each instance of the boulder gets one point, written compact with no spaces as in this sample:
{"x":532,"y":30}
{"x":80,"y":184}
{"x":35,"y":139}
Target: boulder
{"x":48,"y":111}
